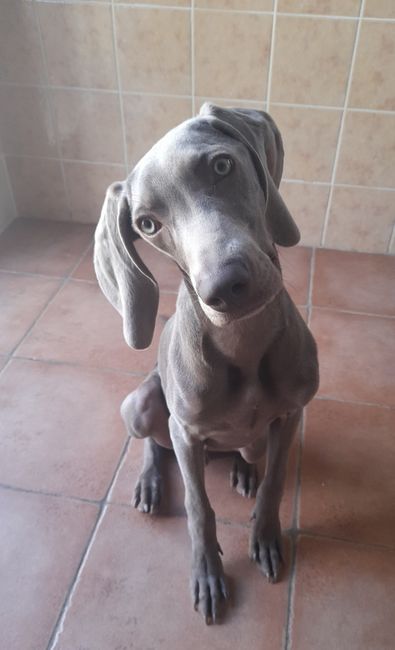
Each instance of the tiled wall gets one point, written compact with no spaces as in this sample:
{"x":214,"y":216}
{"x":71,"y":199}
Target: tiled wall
{"x":87,"y":87}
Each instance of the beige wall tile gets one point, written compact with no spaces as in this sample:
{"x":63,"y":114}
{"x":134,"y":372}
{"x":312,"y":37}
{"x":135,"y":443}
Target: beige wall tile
{"x":310,"y":138}
{"x":367,"y":150}
{"x":307,"y":204}
{"x":380,"y":8}
{"x":38,"y":188}
{"x":88,"y":125}
{"x":232,"y":54}
{"x":154,"y":49}
{"x":7,"y":206}
{"x":20,"y":52}
{"x":171,"y":3}
{"x":361,"y":219}
{"x":87,"y":186}
{"x":148,"y":118}
{"x":373,"y":83}
{"x":246,"y":5}
{"x":78,"y":44}
{"x":324,"y":7}
{"x":312,"y":60}
{"x":25,"y":122}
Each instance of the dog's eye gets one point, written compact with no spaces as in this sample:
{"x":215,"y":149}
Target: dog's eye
{"x":223,"y":165}
{"x":148,"y":225}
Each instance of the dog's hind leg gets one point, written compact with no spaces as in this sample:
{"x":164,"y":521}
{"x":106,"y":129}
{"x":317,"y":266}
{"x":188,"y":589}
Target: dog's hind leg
{"x":145,"y":415}
{"x":244,"y":477}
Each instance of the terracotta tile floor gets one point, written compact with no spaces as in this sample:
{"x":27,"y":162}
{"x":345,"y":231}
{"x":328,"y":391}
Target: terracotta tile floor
{"x":82,"y":570}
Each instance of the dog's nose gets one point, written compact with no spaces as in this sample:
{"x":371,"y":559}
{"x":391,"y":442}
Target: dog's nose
{"x":227,"y":289}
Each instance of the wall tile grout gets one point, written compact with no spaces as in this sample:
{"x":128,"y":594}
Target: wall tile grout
{"x":271,"y":58}
{"x":391,"y":239}
{"x":48,"y":95}
{"x":193,"y":45}
{"x":119,"y":85}
{"x":144,"y":93}
{"x":342,"y":126}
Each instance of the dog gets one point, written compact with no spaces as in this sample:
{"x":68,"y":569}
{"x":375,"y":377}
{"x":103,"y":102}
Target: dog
{"x":236,"y":362}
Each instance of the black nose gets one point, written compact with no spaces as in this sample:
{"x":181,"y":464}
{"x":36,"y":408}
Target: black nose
{"x":227,"y":289}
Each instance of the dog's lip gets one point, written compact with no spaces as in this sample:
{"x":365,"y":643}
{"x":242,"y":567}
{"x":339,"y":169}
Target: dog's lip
{"x":228,"y":317}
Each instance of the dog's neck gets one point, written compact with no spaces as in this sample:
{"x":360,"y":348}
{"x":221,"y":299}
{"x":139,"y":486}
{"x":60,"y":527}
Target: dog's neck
{"x":241,"y":342}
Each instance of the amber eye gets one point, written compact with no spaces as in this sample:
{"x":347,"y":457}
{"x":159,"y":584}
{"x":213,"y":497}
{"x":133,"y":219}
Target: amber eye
{"x":148,"y":225}
{"x":223,"y":165}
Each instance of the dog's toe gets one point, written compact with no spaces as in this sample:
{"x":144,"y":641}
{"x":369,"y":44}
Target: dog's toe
{"x":147,"y":493}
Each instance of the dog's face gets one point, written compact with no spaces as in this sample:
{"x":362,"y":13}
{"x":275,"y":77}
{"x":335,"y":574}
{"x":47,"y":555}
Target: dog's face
{"x":206,"y":195}
{"x":196,"y":196}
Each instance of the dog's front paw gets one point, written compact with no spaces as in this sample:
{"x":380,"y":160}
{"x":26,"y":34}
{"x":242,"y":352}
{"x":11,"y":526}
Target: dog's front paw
{"x":266,"y":547}
{"x":147,"y":493}
{"x":208,"y":584}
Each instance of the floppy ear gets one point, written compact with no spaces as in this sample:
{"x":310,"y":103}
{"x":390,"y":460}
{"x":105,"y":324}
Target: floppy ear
{"x":124,"y":279}
{"x":259,"y":133}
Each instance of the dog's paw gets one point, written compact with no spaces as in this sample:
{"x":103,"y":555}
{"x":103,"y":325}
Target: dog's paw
{"x":208,"y":585}
{"x":266,"y":548}
{"x":244,"y":477}
{"x":147,"y":493}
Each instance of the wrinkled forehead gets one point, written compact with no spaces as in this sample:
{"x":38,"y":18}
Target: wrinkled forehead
{"x":173,"y":162}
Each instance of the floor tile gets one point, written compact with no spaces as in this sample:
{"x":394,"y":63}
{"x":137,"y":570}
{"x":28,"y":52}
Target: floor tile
{"x":355,"y":281}
{"x":22,"y":299}
{"x":42,"y":539}
{"x":344,"y":597}
{"x":348,"y":479}
{"x":60,"y":428}
{"x":117,"y":603}
{"x":295,"y":263}
{"x":357,"y":356}
{"x":47,"y":247}
{"x":82,"y":327}
{"x":85,"y":270}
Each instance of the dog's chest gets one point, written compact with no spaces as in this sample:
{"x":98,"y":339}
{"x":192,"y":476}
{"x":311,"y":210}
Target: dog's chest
{"x":231,"y":412}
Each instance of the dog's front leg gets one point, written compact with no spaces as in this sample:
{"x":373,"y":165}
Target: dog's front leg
{"x":265,"y":541}
{"x":207,"y":580}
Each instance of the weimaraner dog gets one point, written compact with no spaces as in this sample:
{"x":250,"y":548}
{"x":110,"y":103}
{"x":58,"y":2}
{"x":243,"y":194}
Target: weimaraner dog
{"x":236,"y":361}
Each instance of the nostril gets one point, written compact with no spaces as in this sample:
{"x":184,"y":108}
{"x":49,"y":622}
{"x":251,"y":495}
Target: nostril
{"x":238,"y":288}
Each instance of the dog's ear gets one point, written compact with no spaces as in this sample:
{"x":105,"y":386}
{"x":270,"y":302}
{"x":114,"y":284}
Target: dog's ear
{"x":124,"y":279}
{"x":259,"y":133}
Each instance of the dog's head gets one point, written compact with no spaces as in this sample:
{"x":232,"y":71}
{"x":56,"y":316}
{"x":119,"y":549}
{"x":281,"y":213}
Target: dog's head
{"x":206,"y":195}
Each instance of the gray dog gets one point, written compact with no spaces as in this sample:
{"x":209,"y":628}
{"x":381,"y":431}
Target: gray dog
{"x":236,"y":361}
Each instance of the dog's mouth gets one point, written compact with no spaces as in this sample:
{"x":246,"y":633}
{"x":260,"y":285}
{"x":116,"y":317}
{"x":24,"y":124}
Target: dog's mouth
{"x":220,"y":319}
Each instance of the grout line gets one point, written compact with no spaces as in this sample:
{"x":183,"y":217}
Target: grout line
{"x":193,"y":76}
{"x":311,"y":285}
{"x":145,"y":93}
{"x":291,"y":591}
{"x":119,"y":85}
{"x":271,"y":58}
{"x":354,"y":313}
{"x":48,"y":98}
{"x":300,"y":181}
{"x":58,"y":627}
{"x":75,"y":364}
{"x":334,"y":538}
{"x":46,"y":493}
{"x":391,"y":239}
{"x":342,"y":125}
{"x":32,"y":275}
{"x":328,"y":398}
{"x":52,"y":296}
{"x":11,"y":192}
